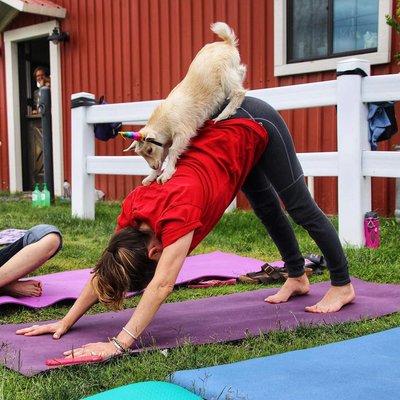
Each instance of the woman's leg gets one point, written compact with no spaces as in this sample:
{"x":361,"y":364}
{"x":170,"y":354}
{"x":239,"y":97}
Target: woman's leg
{"x":282,"y":168}
{"x":266,"y":206}
{"x":10,"y":251}
{"x":38,"y":245}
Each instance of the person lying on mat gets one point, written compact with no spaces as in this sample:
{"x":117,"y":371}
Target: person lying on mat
{"x":24,"y":256}
{"x":160,"y":225}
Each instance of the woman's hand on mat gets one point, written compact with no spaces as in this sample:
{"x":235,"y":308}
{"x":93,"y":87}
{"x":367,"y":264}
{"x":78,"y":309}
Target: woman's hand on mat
{"x":102,"y":349}
{"x":56,"y":328}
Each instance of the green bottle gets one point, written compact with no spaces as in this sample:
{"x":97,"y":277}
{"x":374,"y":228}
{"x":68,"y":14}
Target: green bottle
{"x":36,"y":196}
{"x":45,"y":197}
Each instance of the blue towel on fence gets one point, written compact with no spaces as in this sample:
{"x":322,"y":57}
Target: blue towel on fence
{"x":378,"y":121}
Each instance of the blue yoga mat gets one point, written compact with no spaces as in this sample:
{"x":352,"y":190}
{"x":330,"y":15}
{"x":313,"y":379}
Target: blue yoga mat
{"x":152,"y":390}
{"x":366,"y":368}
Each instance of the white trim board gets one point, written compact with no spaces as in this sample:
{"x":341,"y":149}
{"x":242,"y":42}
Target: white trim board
{"x":281,"y":68}
{"x":42,"y":9}
{"x":11,"y":38}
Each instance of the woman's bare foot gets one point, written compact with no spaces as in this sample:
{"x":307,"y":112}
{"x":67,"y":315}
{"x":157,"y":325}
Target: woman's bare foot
{"x":335,"y":298}
{"x":29,"y":288}
{"x":292,"y":287}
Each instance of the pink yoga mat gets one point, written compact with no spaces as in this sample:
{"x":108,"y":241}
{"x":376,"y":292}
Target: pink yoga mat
{"x":67,"y":285}
{"x":210,"y":320}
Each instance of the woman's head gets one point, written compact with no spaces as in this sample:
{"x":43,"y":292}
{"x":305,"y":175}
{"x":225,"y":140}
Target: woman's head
{"x":124,"y":266}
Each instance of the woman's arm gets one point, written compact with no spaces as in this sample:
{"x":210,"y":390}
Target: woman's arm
{"x":159,"y":288}
{"x":157,"y":291}
{"x":85,"y":300}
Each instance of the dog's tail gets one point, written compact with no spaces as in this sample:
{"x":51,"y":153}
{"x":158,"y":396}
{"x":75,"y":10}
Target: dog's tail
{"x":225,"y":33}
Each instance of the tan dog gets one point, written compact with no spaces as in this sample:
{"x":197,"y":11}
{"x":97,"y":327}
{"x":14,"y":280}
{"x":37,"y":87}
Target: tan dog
{"x":215,"y":75}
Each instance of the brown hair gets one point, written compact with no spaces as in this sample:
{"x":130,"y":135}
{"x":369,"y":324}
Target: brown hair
{"x":40,"y":68}
{"x":124,"y":266}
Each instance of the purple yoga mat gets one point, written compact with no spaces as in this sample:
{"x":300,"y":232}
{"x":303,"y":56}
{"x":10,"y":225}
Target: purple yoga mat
{"x":67,"y":285}
{"x":210,"y":320}
{"x":11,"y":235}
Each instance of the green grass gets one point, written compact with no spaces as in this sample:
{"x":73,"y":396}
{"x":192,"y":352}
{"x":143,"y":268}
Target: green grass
{"x":238,"y":232}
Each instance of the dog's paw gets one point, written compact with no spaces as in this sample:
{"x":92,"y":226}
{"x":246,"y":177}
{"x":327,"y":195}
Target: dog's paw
{"x":165,"y":176}
{"x":162,"y":179}
{"x":219,"y":118}
{"x":149,"y":179}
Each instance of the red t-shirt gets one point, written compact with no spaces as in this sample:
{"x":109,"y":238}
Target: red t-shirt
{"x":208,"y":176}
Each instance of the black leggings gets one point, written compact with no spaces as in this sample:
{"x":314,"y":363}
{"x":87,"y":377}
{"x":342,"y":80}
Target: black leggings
{"x":11,"y":250}
{"x":278,"y":175}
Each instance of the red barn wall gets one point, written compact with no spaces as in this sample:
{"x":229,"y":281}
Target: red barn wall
{"x":132,"y":50}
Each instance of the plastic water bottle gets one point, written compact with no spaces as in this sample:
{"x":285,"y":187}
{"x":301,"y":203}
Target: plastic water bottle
{"x":372,"y":230}
{"x":36,"y":196}
{"x":45,"y":197}
{"x":67,"y":190}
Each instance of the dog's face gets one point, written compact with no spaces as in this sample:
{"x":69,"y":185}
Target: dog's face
{"x":153,"y":154}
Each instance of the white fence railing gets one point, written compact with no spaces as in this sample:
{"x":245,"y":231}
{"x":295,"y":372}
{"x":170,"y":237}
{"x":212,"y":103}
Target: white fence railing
{"x":353,"y":163}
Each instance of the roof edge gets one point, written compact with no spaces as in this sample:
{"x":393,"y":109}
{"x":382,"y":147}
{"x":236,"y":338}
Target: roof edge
{"x":7,"y":18}
{"x":20,"y":5}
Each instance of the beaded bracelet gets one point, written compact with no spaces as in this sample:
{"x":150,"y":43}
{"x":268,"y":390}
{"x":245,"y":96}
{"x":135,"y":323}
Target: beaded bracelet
{"x":130,"y":334}
{"x":118,"y":345}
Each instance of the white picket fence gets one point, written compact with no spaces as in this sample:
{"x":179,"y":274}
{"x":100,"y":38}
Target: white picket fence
{"x":353,"y":163}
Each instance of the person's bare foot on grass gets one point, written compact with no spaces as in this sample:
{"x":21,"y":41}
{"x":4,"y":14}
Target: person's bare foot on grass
{"x":291,"y":287}
{"x":335,"y":298}
{"x":29,"y":288}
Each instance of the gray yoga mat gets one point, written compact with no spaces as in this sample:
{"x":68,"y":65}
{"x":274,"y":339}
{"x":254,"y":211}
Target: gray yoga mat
{"x":210,"y":320}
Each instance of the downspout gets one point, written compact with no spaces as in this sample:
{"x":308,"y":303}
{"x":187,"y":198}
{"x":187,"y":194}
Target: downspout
{"x":397,"y":206}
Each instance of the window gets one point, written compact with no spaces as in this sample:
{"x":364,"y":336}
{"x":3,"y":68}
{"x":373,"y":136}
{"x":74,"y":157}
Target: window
{"x":355,"y":25}
{"x":307,"y":29}
{"x":313,"y":35}
{"x":325,"y":28}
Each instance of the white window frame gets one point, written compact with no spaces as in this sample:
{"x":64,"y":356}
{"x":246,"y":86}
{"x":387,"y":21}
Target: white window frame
{"x":282,"y":68}
{"x":11,"y":39}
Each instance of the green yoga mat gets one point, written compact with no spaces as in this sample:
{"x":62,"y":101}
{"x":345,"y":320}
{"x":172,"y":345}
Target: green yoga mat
{"x":152,"y":390}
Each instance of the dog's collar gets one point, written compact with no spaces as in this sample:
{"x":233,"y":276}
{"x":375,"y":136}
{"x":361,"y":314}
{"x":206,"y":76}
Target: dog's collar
{"x":154,"y":142}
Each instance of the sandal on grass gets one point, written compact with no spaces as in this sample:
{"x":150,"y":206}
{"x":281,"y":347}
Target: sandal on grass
{"x":318,"y":263}
{"x":202,"y":284}
{"x":269,"y":274}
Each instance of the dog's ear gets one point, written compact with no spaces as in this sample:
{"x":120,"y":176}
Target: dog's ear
{"x":134,"y":146}
{"x":149,"y":135}
{"x":138,"y":145}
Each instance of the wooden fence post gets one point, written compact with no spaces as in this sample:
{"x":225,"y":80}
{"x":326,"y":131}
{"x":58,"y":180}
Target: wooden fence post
{"x":82,"y":146}
{"x":352,"y":139}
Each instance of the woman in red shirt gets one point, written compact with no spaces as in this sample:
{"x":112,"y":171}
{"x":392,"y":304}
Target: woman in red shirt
{"x":160,"y":225}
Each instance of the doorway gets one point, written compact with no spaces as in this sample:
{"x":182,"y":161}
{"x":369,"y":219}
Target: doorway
{"x":17,"y":105}
{"x":33,"y":61}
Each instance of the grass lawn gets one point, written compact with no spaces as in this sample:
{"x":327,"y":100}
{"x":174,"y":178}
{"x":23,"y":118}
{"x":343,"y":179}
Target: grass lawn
{"x":238,"y":232}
